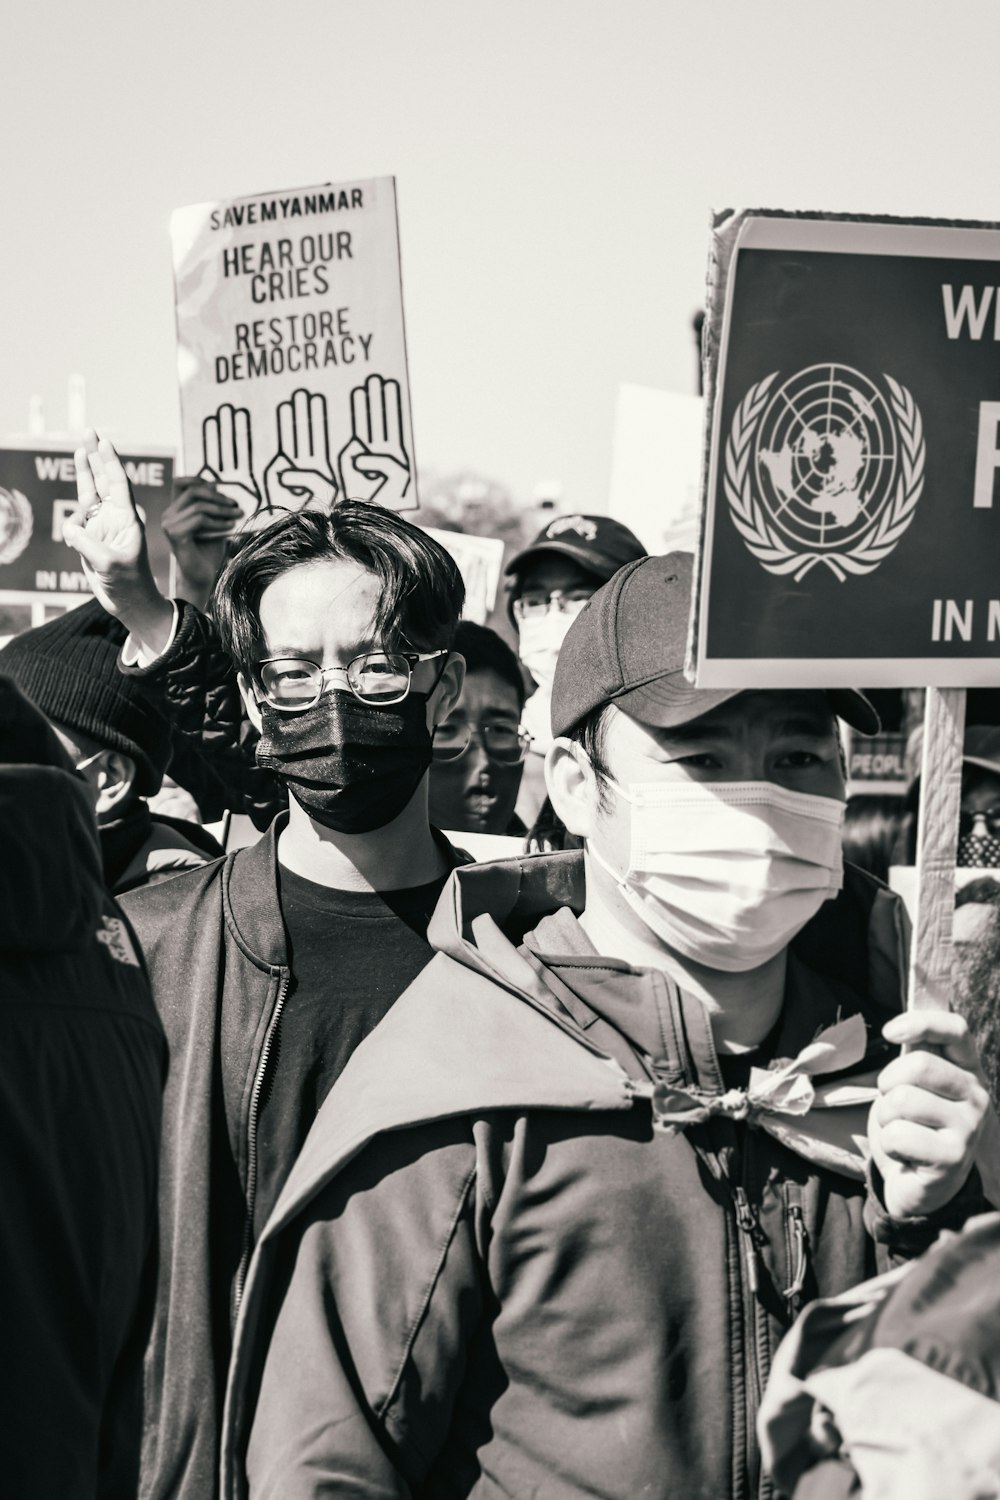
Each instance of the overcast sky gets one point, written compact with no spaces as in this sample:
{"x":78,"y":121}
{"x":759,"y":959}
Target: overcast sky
{"x":557,"y":161}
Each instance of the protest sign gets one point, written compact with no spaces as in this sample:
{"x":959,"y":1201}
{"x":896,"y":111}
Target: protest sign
{"x":849,"y":526}
{"x":291,"y":348}
{"x":656,"y":466}
{"x":39,"y":575}
{"x":479,"y":560}
{"x":876,"y":765}
{"x":852,"y":513}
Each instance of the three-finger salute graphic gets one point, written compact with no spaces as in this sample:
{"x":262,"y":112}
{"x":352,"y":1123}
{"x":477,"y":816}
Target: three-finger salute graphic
{"x":374,"y":465}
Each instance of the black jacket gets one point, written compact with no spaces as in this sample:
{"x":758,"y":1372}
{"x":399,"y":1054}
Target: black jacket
{"x":82,"y":1063}
{"x":215,"y":945}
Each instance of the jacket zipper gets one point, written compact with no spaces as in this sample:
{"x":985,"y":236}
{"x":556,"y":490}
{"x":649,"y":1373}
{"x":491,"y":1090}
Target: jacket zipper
{"x":255,"y":1093}
{"x":757,"y":1343}
{"x":797,"y":1247}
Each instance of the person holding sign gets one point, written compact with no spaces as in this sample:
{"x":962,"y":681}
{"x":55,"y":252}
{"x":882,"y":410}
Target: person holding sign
{"x":555,"y":1216}
{"x":270,"y":966}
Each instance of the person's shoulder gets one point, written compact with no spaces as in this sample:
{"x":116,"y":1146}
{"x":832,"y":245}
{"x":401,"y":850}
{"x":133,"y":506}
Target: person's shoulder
{"x":172,"y":900}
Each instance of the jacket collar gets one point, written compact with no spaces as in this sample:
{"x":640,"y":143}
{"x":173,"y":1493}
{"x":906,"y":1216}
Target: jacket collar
{"x":122,"y":839}
{"x":536,"y":899}
{"x":251,"y":900}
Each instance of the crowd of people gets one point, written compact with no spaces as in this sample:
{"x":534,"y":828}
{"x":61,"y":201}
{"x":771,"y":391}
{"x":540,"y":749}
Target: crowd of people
{"x":348,"y":1162}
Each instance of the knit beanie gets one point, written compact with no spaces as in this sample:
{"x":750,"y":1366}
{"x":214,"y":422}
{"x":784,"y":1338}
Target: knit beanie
{"x":68,"y":667}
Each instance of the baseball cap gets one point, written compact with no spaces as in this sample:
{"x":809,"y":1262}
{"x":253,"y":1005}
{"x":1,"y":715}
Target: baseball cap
{"x":628,"y":644}
{"x":598,"y":543}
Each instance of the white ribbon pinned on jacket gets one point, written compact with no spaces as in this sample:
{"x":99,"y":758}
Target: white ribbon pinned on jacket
{"x":788,"y":1089}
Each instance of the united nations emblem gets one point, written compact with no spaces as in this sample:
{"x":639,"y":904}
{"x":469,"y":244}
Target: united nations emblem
{"x":16,"y":523}
{"x":826,"y":468}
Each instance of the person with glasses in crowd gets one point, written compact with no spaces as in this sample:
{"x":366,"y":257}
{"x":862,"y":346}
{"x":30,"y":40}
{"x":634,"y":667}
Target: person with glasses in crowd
{"x":549,"y":583}
{"x":270,"y":966}
{"x":479,"y":748}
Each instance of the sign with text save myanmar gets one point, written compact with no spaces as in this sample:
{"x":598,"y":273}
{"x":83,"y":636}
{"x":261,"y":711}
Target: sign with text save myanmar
{"x":292,"y":350}
{"x":851,"y":526}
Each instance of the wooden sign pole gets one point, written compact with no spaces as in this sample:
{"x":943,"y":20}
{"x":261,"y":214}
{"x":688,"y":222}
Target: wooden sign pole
{"x":931,"y":983}
{"x":932,"y":956}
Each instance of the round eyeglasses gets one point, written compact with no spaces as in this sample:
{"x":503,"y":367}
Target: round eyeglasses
{"x":502,"y":742}
{"x":380,"y":677}
{"x":536,"y":605}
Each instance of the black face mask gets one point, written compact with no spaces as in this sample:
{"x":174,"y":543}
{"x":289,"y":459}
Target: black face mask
{"x":352,"y":766}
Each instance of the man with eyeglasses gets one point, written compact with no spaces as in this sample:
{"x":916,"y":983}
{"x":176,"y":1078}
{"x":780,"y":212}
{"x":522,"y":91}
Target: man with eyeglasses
{"x":549,"y":583}
{"x":269,"y":967}
{"x":479,"y":748}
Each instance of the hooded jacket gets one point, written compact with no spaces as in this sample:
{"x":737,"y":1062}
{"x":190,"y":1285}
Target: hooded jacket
{"x":490,"y":1273}
{"x":82,"y":1062}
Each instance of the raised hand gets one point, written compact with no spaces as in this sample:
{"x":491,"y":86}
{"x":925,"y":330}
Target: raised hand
{"x":197,"y":523}
{"x":374,"y":465}
{"x":108,"y":533}
{"x":300,"y":475}
{"x":228,"y":457}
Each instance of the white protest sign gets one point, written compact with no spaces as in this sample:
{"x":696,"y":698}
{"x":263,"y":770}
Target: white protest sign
{"x":656,"y":466}
{"x":479,"y":560}
{"x":292,"y":350}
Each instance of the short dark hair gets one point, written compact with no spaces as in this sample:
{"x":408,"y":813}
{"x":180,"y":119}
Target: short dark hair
{"x":591,"y":734}
{"x":422,"y":592}
{"x":486,"y":651}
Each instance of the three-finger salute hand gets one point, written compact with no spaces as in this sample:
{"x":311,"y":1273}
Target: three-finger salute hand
{"x":925,"y":1125}
{"x":106,"y":528}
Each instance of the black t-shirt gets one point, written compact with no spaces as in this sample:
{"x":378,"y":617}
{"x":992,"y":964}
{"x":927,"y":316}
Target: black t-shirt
{"x":351,"y":954}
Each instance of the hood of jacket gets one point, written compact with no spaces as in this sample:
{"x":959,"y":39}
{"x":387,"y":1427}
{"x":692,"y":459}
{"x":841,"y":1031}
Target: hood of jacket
{"x":859,"y":940}
{"x":51,"y":877}
{"x":512,"y":1030}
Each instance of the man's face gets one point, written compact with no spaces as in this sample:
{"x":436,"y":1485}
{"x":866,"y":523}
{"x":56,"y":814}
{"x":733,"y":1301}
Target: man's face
{"x":108,"y":773}
{"x":324,"y":612}
{"x":787,"y":737}
{"x":549,"y":572}
{"x":475,"y":793}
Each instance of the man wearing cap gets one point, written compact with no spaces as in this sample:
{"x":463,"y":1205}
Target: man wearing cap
{"x":116,"y":738}
{"x":557,"y":1212}
{"x":549,"y":583}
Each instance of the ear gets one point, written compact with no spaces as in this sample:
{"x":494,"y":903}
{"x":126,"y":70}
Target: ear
{"x":448,"y":691}
{"x":572,"y":786}
{"x":250,"y":703}
{"x":115,"y":775}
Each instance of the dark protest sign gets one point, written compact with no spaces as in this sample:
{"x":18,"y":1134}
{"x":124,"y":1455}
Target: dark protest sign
{"x":292,"y":349}
{"x":851,"y":522}
{"x":39,"y":574}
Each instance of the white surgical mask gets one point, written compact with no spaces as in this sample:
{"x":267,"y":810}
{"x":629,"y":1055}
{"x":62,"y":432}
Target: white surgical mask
{"x":726,"y":873}
{"x":539,"y":642}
